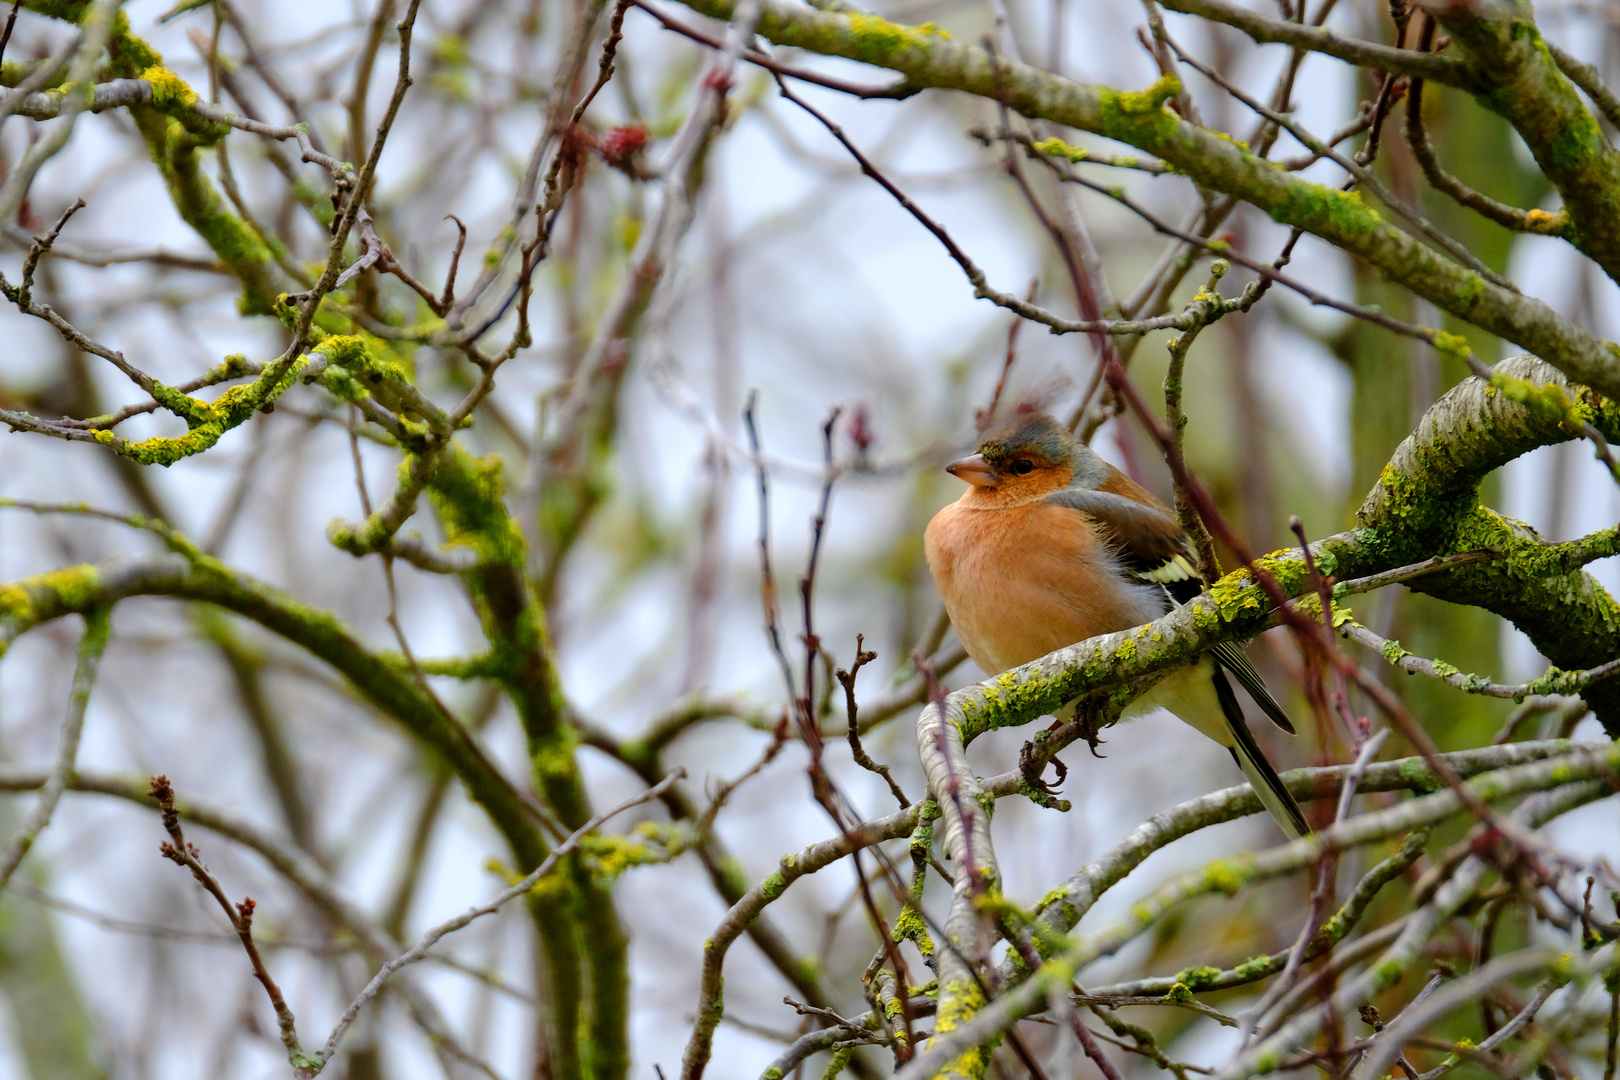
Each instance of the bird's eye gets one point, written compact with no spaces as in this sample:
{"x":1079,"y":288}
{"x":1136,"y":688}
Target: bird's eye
{"x":1023,"y":466}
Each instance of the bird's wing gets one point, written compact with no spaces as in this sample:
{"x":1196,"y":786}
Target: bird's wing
{"x":1262,"y":777}
{"x":1148,"y":539}
{"x":1153,"y":546}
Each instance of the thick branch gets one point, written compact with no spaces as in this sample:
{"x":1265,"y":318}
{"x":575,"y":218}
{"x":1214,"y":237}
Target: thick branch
{"x":1064,"y":907}
{"x":1521,"y":82}
{"x":30,"y":602}
{"x":1370,"y":54}
{"x":928,"y":59}
{"x":283,"y":856}
{"x":1564,"y":774}
{"x":1427,"y":501}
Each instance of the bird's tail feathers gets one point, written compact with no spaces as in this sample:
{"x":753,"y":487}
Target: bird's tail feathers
{"x":1229,"y":656}
{"x":1262,"y":777}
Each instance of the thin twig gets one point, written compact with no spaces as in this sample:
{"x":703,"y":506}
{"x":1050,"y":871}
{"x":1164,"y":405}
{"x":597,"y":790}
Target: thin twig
{"x":1506,"y":1032}
{"x":1444,"y":242}
{"x":1509,"y":217}
{"x":767,"y":578}
{"x":1226,"y":251}
{"x":985,"y":418}
{"x":11,"y":21}
{"x":1570,"y":682}
{"x":429,"y":939}
{"x":97,"y":625}
{"x":753,"y":56}
{"x":1254,"y":1018}
{"x":240,"y":915}
{"x":864,"y":760}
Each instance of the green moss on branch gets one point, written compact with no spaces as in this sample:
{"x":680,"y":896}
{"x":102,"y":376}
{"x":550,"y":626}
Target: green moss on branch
{"x":1427,"y":501}
{"x":1211,"y":160}
{"x":1520,"y":81}
{"x":468,"y":495}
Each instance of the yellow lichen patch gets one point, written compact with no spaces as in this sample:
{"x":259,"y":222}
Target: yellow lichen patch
{"x":168,"y":89}
{"x":911,"y":927}
{"x":1235,"y":595}
{"x":1229,"y":875}
{"x":649,"y":843}
{"x":44,"y":596}
{"x":13,"y":601}
{"x":1540,"y":221}
{"x":877,"y":38}
{"x":959,"y":1001}
{"x":1454,"y":346}
{"x":1056,"y":147}
{"x":1548,"y":399}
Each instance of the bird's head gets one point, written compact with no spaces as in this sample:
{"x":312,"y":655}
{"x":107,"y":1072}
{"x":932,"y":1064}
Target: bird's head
{"x":1027,"y":459}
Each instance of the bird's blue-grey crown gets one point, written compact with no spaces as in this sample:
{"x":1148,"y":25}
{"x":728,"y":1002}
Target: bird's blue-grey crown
{"x":1039,"y":435}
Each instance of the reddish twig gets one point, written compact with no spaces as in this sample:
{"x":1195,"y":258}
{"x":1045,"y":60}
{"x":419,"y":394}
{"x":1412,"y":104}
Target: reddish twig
{"x":185,"y":854}
{"x":1356,"y":726}
{"x":11,"y":22}
{"x":857,"y":751}
{"x":767,"y":577}
{"x":448,"y":298}
{"x":822,"y":788}
{"x":610,"y":49}
{"x":807,"y":586}
{"x":985,"y":417}
{"x":1088,"y":1043}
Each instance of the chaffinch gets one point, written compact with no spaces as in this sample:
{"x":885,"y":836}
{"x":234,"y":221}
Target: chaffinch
{"x":1051,"y":545}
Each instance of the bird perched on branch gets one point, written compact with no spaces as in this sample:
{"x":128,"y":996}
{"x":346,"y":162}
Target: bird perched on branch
{"x":1051,"y":545}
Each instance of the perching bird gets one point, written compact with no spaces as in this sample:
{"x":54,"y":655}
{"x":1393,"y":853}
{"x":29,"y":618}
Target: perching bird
{"x":1051,"y":545}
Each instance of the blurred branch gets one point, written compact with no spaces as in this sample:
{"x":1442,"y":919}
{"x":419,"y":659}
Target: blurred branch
{"x":434,"y":935}
{"x":1502,"y":1035}
{"x":285,"y":858}
{"x":759,"y":59}
{"x":1211,"y":160}
{"x":193,"y":576}
{"x":724,"y":871}
{"x":1264,"y":29}
{"x":97,"y":627}
{"x":548,"y":147}
{"x":1066,"y":905}
{"x":1461,"y":886}
{"x":587,"y":415}
{"x":161,"y":257}
{"x":97,"y":26}
{"x":1571,"y":788}
{"x":1509,"y":217}
{"x":1331,"y":933}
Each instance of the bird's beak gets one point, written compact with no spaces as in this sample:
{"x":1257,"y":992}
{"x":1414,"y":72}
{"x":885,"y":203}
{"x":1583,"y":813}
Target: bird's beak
{"x":974,"y":469}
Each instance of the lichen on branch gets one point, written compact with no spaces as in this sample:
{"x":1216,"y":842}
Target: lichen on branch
{"x":1211,"y":159}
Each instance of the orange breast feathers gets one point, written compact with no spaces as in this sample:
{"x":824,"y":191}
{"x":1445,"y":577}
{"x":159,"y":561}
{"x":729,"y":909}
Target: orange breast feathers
{"x":1023,"y":581}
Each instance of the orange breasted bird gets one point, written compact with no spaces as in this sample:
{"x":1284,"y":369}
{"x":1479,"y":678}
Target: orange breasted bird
{"x":1051,"y":545}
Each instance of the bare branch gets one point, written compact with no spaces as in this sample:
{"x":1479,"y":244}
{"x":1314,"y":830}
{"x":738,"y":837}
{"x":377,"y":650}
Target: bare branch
{"x":97,"y":626}
{"x":433,"y":936}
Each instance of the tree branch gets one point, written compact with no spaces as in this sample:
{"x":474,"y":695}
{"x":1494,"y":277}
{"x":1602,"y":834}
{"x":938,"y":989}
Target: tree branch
{"x":1208,"y":158}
